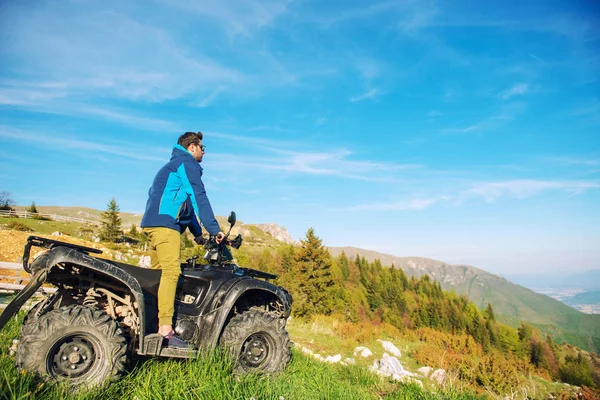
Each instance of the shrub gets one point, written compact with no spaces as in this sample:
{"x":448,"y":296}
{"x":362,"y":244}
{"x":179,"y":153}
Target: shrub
{"x":18,"y":226}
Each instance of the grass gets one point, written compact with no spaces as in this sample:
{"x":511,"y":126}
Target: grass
{"x":44,"y":226}
{"x":209,"y":377}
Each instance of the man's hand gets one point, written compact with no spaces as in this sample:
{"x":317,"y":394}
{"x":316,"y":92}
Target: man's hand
{"x":200,"y":240}
{"x":219,"y":237}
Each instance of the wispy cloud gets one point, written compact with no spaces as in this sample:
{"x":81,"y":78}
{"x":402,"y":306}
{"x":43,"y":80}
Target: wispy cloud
{"x":48,"y":140}
{"x":234,"y":17}
{"x":537,"y":58}
{"x":414,"y":204}
{"x":502,"y":117}
{"x":206,"y":101}
{"x":367,"y":95}
{"x":524,"y":188}
{"x":105,"y":52}
{"x":517,"y":90}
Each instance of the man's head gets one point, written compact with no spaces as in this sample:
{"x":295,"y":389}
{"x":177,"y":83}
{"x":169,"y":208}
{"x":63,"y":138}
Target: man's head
{"x":192,"y":142}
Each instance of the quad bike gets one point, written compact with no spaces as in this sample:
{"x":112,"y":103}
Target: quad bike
{"x":104,"y":312}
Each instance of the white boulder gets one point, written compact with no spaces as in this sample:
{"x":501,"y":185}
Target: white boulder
{"x":350,"y":361}
{"x":363,"y":352}
{"x":390,"y":348}
{"x":425,"y":371}
{"x":144,"y":262}
{"x":306,"y":351}
{"x":318,"y":357}
{"x":334,"y":359}
{"x":390,"y":365}
{"x":56,"y":234}
{"x":438,"y":376}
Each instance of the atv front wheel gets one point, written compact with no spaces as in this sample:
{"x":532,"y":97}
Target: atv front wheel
{"x":258,"y":341}
{"x":76,"y":344}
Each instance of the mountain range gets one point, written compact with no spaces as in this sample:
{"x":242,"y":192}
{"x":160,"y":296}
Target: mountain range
{"x":512,"y":303}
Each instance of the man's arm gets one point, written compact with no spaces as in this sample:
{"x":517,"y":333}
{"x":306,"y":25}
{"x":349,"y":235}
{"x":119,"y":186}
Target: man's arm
{"x":191,"y":177}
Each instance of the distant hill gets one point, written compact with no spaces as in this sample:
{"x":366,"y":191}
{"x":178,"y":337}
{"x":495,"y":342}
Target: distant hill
{"x":587,"y":280}
{"x":86,"y":213}
{"x":511,"y":302}
{"x":584,"y":298}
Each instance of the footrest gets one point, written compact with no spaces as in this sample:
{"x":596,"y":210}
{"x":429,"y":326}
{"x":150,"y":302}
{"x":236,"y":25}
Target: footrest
{"x":153,"y":344}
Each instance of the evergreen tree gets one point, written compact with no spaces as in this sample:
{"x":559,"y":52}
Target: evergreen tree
{"x":489,"y":313}
{"x":133,"y":231}
{"x":111,"y":223}
{"x":317,"y":288}
{"x":32,"y":208}
{"x":343,"y":262}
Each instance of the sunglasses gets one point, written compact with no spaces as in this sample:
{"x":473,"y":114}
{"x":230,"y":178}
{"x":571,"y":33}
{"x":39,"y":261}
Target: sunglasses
{"x":202,"y":147}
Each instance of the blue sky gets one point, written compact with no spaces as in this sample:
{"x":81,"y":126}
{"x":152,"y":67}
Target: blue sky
{"x":464,"y":131}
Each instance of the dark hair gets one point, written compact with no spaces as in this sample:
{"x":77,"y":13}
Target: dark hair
{"x":189,"y":138}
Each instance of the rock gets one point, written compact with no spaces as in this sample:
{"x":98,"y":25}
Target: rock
{"x":334,"y":359}
{"x":425,"y":371}
{"x":56,"y":234}
{"x":278,"y":232}
{"x":390,"y":348}
{"x":390,"y":365}
{"x":97,"y":240}
{"x":350,"y":361}
{"x":306,"y":351}
{"x":438,"y":376}
{"x":318,"y":357}
{"x":144,"y":262}
{"x":363,"y":352}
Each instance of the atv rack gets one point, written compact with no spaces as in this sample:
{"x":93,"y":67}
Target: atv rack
{"x":48,"y":244}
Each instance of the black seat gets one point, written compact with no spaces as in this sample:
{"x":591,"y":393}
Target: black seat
{"x":148,"y":279}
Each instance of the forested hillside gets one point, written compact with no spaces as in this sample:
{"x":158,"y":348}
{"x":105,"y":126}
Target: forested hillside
{"x":512,"y":303}
{"x":467,"y":340}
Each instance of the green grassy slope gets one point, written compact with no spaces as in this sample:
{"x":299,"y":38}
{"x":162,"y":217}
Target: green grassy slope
{"x":209,"y":377}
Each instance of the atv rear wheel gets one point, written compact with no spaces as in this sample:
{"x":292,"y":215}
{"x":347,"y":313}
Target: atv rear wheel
{"x":76,"y":344}
{"x":258,"y":342}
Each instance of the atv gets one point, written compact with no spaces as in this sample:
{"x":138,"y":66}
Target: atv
{"x":104,"y":312}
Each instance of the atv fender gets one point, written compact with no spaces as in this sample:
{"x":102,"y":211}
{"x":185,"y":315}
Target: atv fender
{"x":15,"y":305}
{"x":223,"y":304}
{"x":70,"y":256}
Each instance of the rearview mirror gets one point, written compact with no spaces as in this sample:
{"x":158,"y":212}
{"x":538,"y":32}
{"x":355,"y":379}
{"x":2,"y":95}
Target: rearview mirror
{"x":231,"y":218}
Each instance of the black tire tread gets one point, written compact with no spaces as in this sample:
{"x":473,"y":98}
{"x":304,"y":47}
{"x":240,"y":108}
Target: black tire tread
{"x":32,"y":357}
{"x":243,"y":325}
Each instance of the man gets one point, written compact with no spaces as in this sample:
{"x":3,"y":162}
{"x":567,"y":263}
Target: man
{"x":175,"y":202}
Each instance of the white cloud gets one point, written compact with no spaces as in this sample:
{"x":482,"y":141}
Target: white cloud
{"x":505,"y":115}
{"x":367,"y":95}
{"x":414,"y":204}
{"x":236,"y":17}
{"x":206,"y":101}
{"x":517,"y":90}
{"x":98,"y":52}
{"x":524,"y":188}
{"x":54,"y":141}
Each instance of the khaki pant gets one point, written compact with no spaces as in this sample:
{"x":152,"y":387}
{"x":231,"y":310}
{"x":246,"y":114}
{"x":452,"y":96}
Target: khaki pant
{"x":165,"y":252}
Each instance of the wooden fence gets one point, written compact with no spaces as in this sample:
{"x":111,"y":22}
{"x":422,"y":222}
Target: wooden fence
{"x":55,"y":217}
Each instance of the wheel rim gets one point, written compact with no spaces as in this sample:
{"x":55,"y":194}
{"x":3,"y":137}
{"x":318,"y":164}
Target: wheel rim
{"x":256,"y":350}
{"x":72,"y":357}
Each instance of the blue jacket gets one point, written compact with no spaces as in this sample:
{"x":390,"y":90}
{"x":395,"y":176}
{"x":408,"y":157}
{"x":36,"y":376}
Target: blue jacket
{"x":177,"y":197}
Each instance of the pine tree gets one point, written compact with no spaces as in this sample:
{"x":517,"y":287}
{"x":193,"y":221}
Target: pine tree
{"x":317,"y":288}
{"x":489,"y":313}
{"x":344,"y":267}
{"x":111,"y":223}
{"x":32,"y":208}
